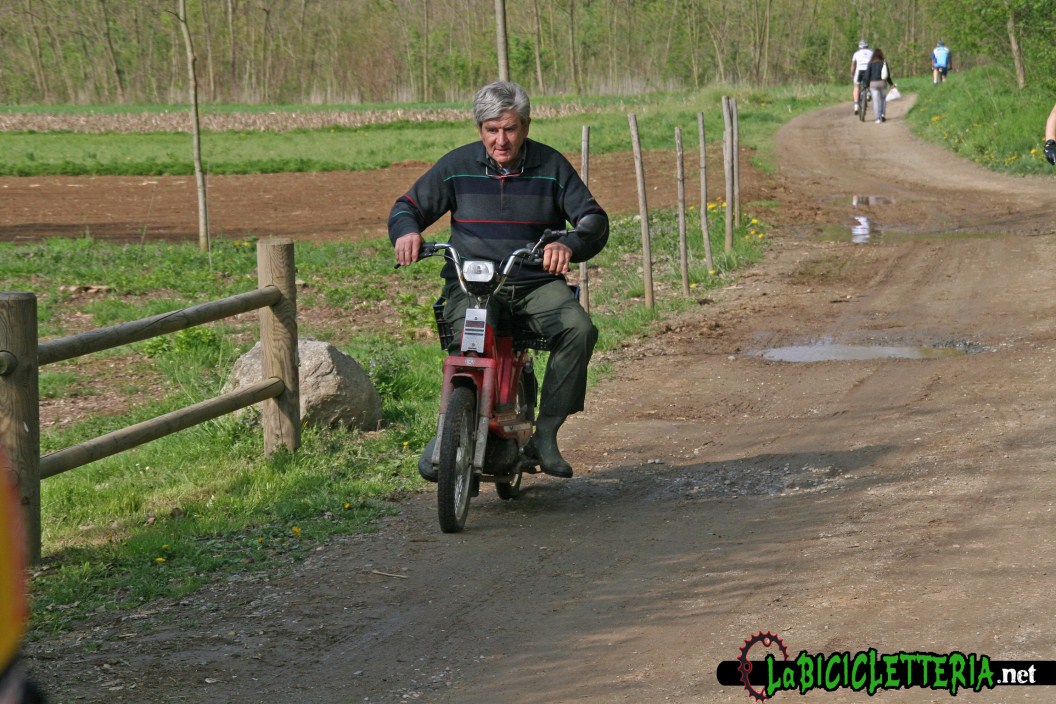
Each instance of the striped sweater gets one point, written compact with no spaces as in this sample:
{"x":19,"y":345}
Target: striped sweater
{"x":493,"y":214}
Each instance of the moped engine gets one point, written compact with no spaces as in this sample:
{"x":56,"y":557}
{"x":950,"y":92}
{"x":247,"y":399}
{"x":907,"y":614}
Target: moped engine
{"x":500,"y":456}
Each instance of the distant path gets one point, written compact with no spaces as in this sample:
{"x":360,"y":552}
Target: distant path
{"x":829,"y":156}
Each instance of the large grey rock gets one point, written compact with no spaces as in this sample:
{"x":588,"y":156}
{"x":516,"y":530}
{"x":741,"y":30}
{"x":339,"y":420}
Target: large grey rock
{"x":334,"y":387}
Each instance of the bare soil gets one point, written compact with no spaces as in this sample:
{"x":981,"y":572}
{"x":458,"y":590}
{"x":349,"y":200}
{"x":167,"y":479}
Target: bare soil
{"x":901,"y":504}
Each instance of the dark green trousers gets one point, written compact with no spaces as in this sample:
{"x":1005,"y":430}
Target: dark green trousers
{"x":551,"y":310}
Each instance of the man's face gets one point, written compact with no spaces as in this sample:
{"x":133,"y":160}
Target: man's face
{"x":503,"y":137}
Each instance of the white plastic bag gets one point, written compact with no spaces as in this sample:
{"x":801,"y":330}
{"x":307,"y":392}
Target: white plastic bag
{"x":893,"y":94}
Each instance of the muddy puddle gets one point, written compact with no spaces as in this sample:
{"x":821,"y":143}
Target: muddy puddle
{"x":831,"y":351}
{"x":866,"y":228}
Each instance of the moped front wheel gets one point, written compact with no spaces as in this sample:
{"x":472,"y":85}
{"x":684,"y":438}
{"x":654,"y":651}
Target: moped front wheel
{"x":455,"y":472}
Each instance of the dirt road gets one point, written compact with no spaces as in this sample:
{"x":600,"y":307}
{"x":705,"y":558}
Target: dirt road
{"x":859,"y":501}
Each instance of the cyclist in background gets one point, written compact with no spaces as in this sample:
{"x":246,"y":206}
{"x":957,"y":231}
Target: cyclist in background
{"x":940,"y":63}
{"x":859,"y":67}
{"x":1050,"y":137}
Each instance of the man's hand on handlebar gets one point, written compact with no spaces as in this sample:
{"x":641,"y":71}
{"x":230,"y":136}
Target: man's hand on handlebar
{"x":408,"y":248}
{"x":556,"y":257}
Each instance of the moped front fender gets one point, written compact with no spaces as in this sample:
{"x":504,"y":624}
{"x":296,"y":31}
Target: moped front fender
{"x":478,"y":373}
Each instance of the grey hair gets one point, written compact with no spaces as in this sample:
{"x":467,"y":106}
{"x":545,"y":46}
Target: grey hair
{"x":494,"y":99}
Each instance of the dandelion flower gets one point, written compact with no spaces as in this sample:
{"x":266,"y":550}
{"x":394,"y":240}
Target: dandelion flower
{"x":296,"y":530}
{"x":347,"y":506}
{"x":159,"y":560}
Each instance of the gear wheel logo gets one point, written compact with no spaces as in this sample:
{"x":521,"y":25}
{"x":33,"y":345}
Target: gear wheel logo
{"x":744,"y":663}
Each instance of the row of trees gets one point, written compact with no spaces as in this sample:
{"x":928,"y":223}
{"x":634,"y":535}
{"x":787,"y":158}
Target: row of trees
{"x":132,"y":51}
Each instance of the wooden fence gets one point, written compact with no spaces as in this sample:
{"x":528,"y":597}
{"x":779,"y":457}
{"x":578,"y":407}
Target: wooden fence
{"x":21,"y":356}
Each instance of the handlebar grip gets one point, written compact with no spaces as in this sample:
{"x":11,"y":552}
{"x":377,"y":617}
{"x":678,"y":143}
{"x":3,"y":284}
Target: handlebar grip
{"x":428,"y":249}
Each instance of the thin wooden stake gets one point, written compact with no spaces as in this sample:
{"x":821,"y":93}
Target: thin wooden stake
{"x":704,"y":194}
{"x":736,"y":121}
{"x":643,"y":210}
{"x":683,"y":254}
{"x":584,"y":173}
{"x":727,"y":162}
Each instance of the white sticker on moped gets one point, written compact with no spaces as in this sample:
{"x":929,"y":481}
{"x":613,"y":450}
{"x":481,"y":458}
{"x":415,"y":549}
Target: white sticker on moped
{"x":473,"y":330}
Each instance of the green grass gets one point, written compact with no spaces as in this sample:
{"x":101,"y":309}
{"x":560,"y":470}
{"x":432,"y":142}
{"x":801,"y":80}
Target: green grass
{"x":377,"y":146}
{"x":983,"y":116}
{"x":160,"y":520}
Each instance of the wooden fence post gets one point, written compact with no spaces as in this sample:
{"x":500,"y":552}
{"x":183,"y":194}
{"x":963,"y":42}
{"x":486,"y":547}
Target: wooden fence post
{"x":281,"y":416}
{"x":584,"y":282}
{"x":736,"y":151}
{"x":643,"y":209}
{"x":20,"y":407}
{"x":683,"y":254}
{"x":704,"y":193}
{"x":727,"y":160}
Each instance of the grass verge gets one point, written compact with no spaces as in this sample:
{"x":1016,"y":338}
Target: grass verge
{"x":983,"y":116}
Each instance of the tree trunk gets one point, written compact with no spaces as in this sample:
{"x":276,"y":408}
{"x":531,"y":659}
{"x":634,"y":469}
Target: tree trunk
{"x":111,"y":55}
{"x":199,"y":174}
{"x":500,"y":40}
{"x":766,"y":42}
{"x":207,"y":29}
{"x":539,"y":86}
{"x":1017,"y":52}
{"x":29,"y":26}
{"x":232,"y":58}
{"x":572,"y":65}
{"x":265,"y":56}
{"x":426,"y":88}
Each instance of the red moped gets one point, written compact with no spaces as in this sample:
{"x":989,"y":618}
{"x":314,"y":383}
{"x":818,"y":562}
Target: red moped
{"x":487,"y":406}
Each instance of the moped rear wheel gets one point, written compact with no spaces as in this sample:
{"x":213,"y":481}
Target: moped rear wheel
{"x":511,"y":489}
{"x":455,"y":472}
{"x":527,"y":391}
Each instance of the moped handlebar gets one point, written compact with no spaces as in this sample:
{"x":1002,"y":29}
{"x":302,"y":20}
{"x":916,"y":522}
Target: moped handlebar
{"x":532,"y":253}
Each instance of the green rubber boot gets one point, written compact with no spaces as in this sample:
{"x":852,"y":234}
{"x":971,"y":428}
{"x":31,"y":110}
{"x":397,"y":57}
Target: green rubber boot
{"x":542,"y":447}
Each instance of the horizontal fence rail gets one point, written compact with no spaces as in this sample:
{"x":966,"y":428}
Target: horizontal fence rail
{"x":140,"y":433}
{"x":21,"y":356}
{"x":126,"y":333}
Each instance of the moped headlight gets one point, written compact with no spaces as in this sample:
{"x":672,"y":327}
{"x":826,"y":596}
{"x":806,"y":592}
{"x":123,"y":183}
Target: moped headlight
{"x":478,"y":271}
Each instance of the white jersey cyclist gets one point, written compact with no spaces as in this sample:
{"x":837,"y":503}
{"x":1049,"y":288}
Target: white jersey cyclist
{"x":860,"y":61}
{"x":859,"y":65}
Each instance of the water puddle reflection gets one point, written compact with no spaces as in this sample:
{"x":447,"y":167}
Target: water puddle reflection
{"x":860,"y":233}
{"x":828,"y":351}
{"x":871,"y":200}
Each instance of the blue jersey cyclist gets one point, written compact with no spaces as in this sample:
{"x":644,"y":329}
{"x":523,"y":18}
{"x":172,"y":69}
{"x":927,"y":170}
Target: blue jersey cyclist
{"x":859,"y":68}
{"x":940,"y":63}
{"x":501,"y":193}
